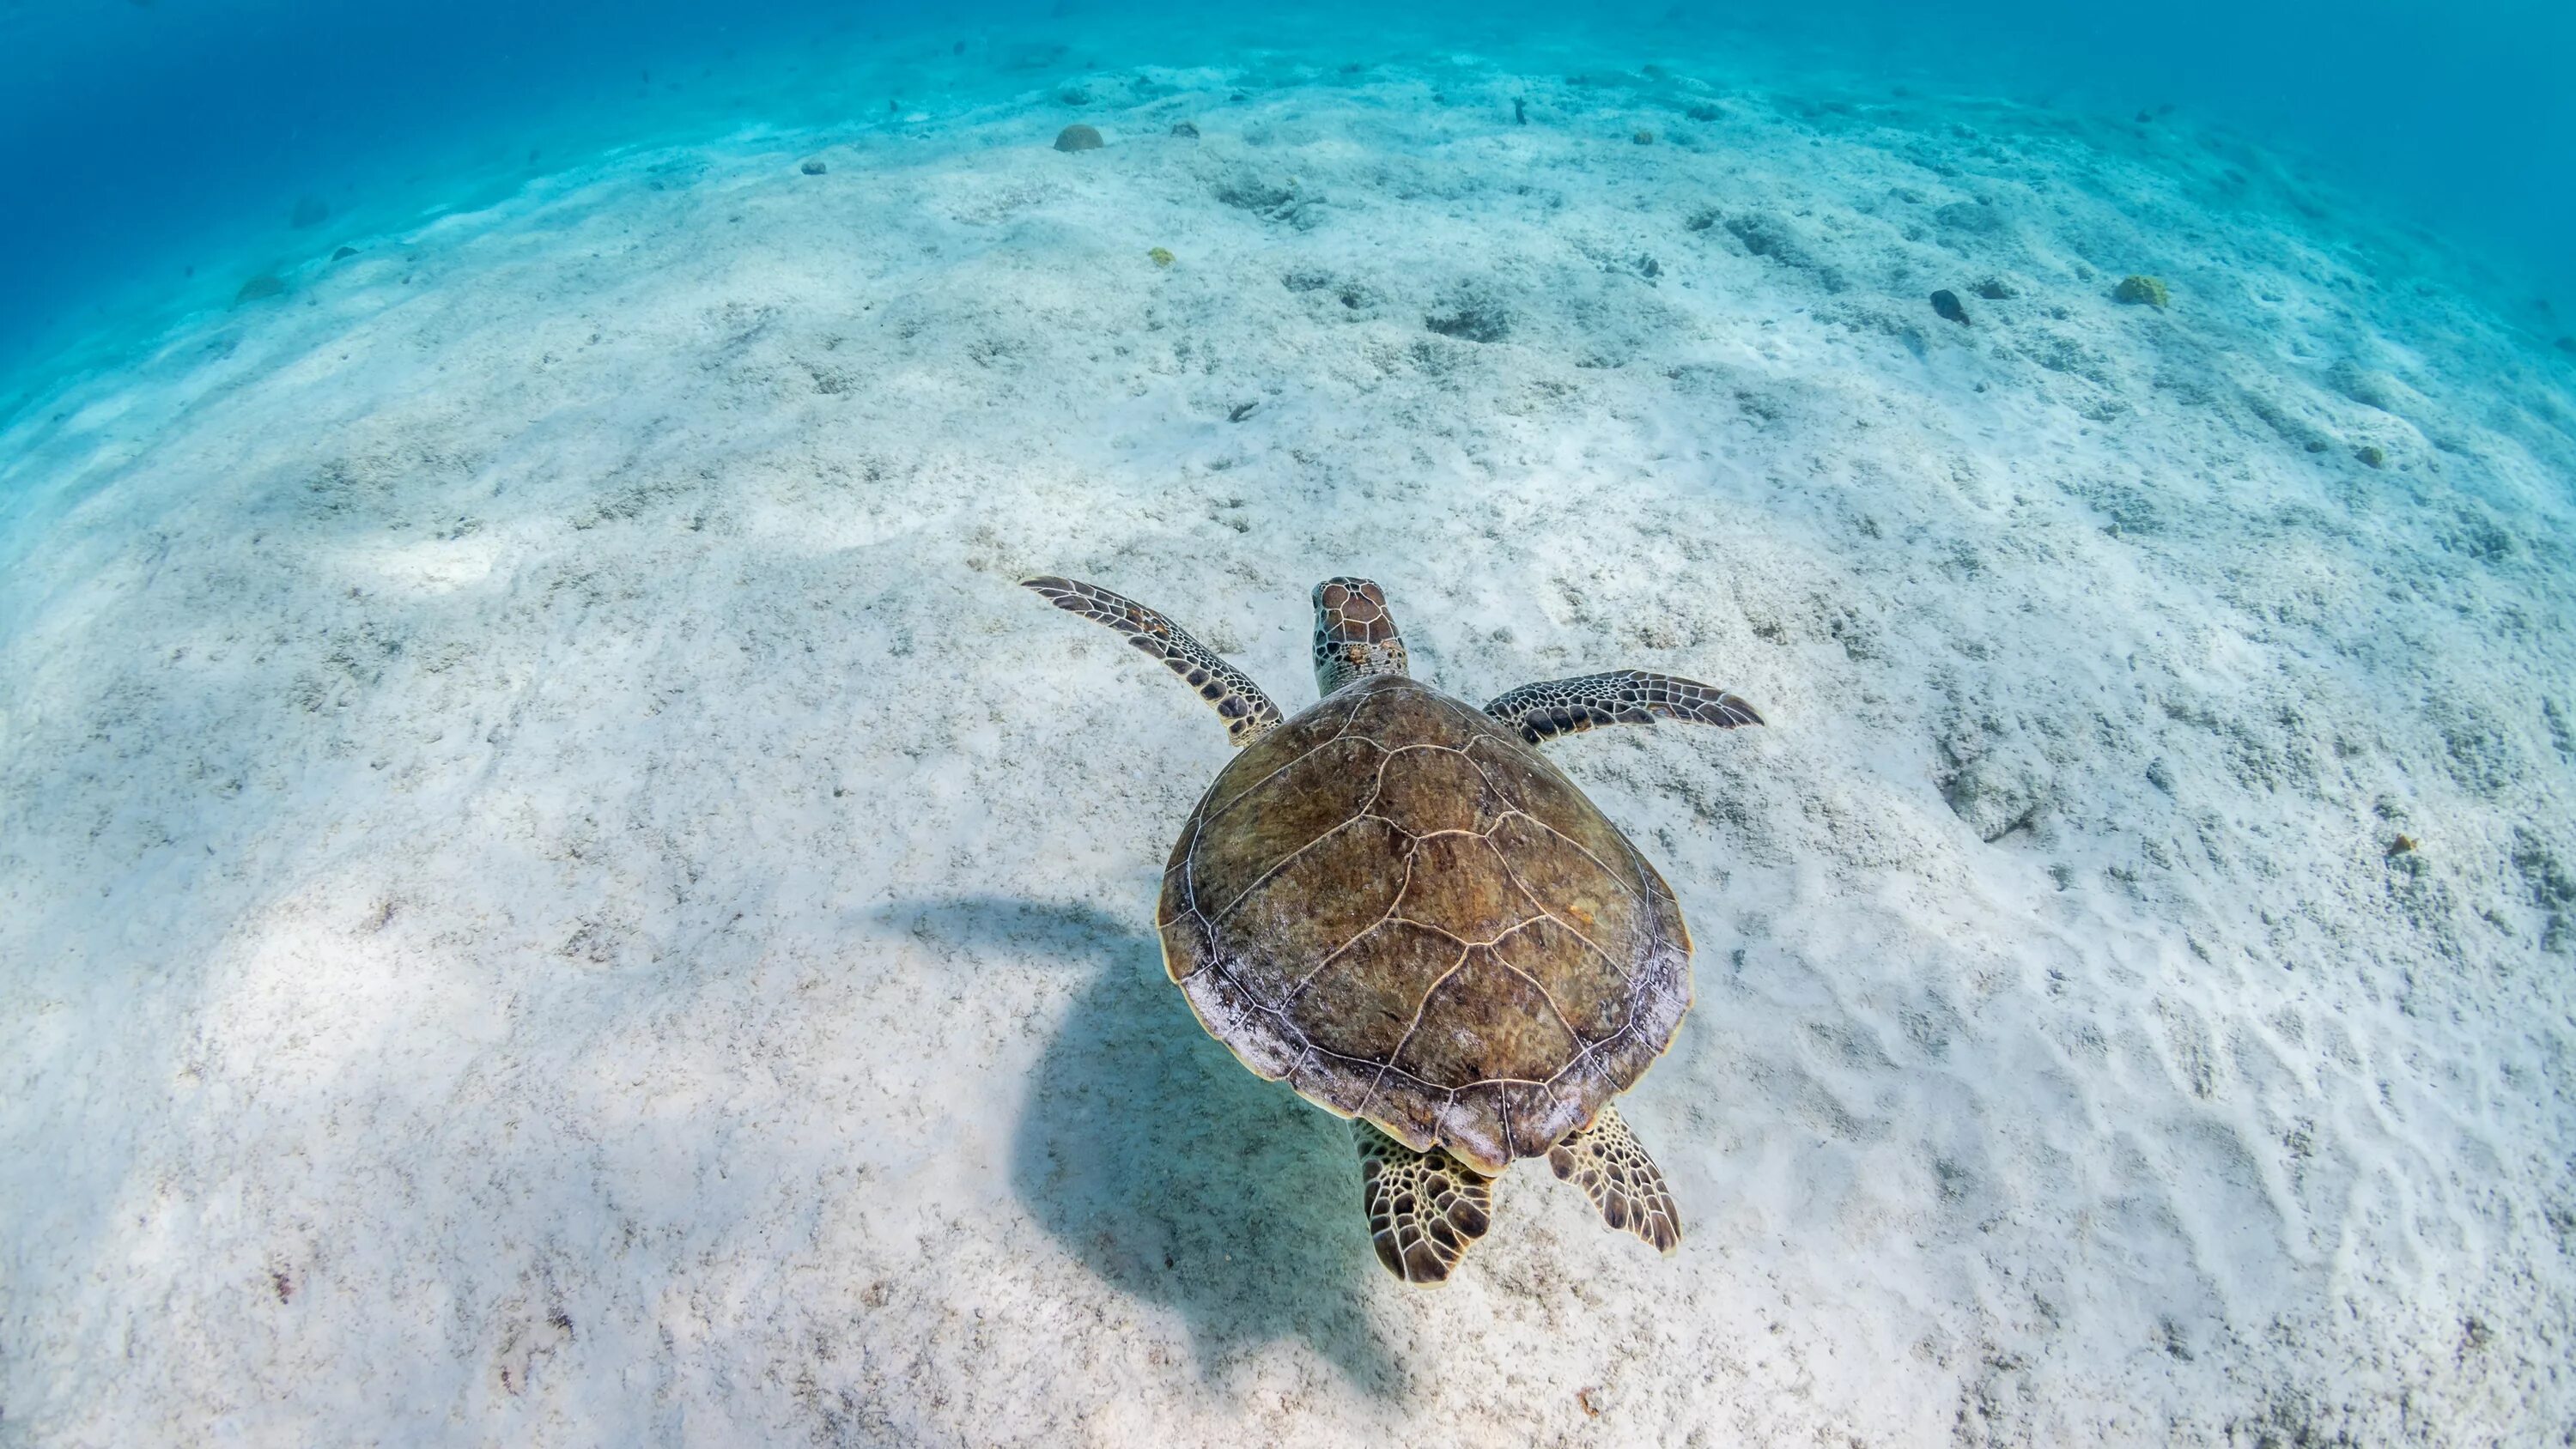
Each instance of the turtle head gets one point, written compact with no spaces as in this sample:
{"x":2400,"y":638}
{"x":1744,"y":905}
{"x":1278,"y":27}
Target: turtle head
{"x":1354,"y":634}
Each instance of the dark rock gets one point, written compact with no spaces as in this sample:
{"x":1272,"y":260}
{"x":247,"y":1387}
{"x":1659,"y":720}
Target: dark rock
{"x":310,"y":212}
{"x":1074,"y":96}
{"x":344,"y":253}
{"x":1520,"y":113}
{"x":1077,"y":138}
{"x":263,"y":285}
{"x":2372,"y":454}
{"x":1705,"y":113}
{"x":1994,"y":289}
{"x":1185,"y":128}
{"x":1702,"y":219}
{"x":813,"y":168}
{"x":1945,"y":305}
{"x":2147,"y":290}
{"x":1643,"y":137}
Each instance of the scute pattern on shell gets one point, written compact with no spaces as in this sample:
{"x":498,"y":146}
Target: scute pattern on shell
{"x":1395,"y":904}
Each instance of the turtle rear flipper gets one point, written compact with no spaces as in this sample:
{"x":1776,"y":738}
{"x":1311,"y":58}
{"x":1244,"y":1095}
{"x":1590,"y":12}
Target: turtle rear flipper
{"x":1424,"y":1208}
{"x":1606,"y":1161}
{"x":1248,"y":712}
{"x":1627,"y":696}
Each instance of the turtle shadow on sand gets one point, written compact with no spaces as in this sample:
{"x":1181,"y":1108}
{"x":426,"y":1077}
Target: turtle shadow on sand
{"x":1171,"y":1172}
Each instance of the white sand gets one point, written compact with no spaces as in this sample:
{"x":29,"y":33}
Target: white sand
{"x":556,"y":892}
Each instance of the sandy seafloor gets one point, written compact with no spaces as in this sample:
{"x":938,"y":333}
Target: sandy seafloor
{"x":556,"y":891}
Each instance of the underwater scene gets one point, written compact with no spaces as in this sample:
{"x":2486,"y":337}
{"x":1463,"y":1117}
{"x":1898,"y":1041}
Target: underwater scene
{"x":1884,"y":742}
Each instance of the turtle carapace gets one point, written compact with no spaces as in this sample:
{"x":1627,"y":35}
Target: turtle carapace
{"x":1391,"y":902}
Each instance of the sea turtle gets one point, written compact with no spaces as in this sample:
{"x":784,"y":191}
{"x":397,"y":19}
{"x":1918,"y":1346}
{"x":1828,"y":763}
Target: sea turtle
{"x":1393,"y":903}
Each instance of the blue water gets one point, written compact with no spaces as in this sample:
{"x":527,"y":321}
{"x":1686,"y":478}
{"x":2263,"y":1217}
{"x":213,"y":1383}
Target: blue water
{"x":156,"y":151}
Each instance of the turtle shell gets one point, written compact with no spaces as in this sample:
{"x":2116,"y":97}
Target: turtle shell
{"x":1399,"y":907}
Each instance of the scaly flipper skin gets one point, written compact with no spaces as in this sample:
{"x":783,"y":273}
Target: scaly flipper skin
{"x":1606,"y":1161}
{"x":1248,"y":712}
{"x":1627,"y":696}
{"x":1424,"y":1208}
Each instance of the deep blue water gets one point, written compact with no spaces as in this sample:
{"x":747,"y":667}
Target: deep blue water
{"x":151,"y":152}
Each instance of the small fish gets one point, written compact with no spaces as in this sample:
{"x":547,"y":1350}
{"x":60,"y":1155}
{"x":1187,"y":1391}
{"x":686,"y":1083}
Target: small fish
{"x":1946,"y":304}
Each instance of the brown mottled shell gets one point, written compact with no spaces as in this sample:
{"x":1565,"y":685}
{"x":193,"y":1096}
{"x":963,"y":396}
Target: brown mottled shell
{"x":1399,"y":907}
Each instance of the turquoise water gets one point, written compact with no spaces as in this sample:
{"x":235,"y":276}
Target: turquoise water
{"x":156,"y":152}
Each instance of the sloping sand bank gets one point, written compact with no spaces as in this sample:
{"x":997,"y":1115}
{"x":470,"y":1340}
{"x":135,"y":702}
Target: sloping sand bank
{"x":556,"y":892}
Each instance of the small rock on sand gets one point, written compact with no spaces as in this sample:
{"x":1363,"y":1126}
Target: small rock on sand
{"x":1945,"y":304}
{"x":263,"y":285}
{"x":2148,"y":290}
{"x":1077,"y":138}
{"x":814,"y":168}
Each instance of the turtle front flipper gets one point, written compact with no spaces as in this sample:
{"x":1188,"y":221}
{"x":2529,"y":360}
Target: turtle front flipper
{"x":1248,"y":712}
{"x":1606,"y":1161}
{"x":1424,"y":1208}
{"x":1627,"y":696}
